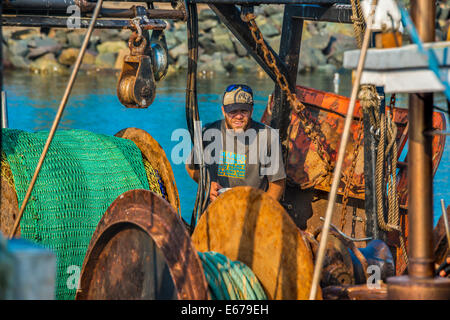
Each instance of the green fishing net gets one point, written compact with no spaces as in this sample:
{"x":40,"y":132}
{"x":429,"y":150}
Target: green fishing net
{"x":83,"y":173}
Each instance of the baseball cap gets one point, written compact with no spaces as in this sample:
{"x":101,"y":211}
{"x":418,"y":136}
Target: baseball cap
{"x":237,"y":97}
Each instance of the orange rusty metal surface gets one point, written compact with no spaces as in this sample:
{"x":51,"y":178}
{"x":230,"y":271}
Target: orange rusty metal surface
{"x":329,"y":109}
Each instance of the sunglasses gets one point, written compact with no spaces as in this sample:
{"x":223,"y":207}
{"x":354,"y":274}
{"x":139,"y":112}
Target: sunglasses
{"x":244,"y":87}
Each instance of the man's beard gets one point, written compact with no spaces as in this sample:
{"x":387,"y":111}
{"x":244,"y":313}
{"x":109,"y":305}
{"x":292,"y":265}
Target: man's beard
{"x":230,"y":126}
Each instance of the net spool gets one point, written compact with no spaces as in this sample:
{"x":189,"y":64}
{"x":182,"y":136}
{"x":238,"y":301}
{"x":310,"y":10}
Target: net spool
{"x":247,"y":225}
{"x":141,"y":250}
{"x":155,"y":154}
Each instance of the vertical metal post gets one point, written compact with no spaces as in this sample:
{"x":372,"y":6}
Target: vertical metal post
{"x":420,"y":282}
{"x":4,"y":113}
{"x":291,"y":36}
{"x":420,"y":184}
{"x":420,"y":174}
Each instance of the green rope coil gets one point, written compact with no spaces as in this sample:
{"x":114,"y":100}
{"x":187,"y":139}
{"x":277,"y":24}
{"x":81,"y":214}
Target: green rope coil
{"x":230,"y":280}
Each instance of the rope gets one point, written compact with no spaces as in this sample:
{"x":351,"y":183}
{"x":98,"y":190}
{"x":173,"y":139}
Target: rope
{"x":230,"y":280}
{"x":358,"y":22}
{"x":388,"y":154}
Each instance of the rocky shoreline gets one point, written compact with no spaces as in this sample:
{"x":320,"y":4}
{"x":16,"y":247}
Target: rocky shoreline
{"x":55,"y":51}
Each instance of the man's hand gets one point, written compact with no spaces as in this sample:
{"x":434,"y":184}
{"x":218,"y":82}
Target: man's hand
{"x":214,"y":191}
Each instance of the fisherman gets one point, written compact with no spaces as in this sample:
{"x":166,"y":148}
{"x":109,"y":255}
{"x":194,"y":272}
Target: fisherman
{"x":243,"y":152}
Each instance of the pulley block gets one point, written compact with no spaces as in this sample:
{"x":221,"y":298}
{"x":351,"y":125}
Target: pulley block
{"x":136,"y":87}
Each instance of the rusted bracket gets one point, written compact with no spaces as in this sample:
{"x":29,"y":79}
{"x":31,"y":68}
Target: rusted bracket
{"x":230,"y":15}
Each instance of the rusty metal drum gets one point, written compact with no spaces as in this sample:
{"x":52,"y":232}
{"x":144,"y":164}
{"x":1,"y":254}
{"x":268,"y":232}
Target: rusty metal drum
{"x":141,"y":250}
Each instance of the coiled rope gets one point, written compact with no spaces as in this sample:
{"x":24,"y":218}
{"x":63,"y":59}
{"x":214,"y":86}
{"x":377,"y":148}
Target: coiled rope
{"x":230,"y":280}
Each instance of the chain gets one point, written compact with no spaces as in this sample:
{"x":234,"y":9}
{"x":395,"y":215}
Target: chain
{"x":309,"y":124}
{"x":359,"y":28}
{"x":392,"y":105}
{"x":348,"y":179}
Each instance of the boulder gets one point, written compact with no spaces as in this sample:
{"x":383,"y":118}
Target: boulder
{"x":111,"y":47}
{"x":120,"y":57}
{"x":47,"y":64}
{"x":42,"y":41}
{"x":106,"y":60}
{"x":278,"y":17}
{"x":315,"y":28}
{"x":204,"y":58}
{"x":310,"y":58}
{"x":239,"y":49}
{"x":339,"y":28}
{"x":171,"y":40}
{"x":40,"y":51}
{"x":206,"y":42}
{"x":228,"y":61}
{"x":208,"y":24}
{"x":109,"y":35}
{"x":211,"y":67}
{"x":338,"y":45}
{"x":182,"y":62}
{"x":125,"y":34}
{"x":59,"y":35}
{"x":320,"y":41}
{"x":19,"y":62}
{"x":269,"y":28}
{"x":180,"y":35}
{"x":24,"y":33}
{"x":69,"y":56}
{"x":179,"y":50}
{"x":18,"y":48}
{"x":272,"y":9}
{"x":244,"y":65}
{"x":75,"y":39}
{"x":206,"y":14}
{"x":274,"y":43}
{"x":223,"y":42}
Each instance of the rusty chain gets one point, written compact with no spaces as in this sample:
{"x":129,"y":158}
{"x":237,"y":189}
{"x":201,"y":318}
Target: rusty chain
{"x":310,"y":126}
{"x":348,"y":179}
{"x":392,"y":105}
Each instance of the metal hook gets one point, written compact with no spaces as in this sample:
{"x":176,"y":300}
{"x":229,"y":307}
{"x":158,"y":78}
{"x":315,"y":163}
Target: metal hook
{"x":137,"y":23}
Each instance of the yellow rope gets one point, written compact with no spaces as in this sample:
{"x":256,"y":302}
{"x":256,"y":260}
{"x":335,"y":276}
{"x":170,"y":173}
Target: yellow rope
{"x":6,"y":172}
{"x":359,"y":26}
{"x":152,"y":177}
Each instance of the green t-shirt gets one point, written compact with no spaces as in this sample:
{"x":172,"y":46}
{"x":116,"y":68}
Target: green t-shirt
{"x":251,"y":158}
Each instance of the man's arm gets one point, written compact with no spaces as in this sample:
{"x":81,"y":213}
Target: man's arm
{"x":192,"y":172}
{"x":276,"y":189}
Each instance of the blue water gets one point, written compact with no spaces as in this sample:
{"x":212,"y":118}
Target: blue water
{"x":93,"y":105}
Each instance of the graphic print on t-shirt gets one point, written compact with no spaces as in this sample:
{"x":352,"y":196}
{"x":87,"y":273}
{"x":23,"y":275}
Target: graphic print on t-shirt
{"x":232,"y":165}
